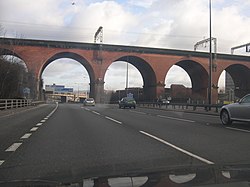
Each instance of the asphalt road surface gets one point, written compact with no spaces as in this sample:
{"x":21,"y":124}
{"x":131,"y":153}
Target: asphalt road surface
{"x":68,"y":142}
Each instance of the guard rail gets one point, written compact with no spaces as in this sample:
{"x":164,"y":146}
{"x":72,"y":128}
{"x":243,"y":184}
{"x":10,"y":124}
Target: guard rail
{"x":14,"y":103}
{"x":183,"y":106}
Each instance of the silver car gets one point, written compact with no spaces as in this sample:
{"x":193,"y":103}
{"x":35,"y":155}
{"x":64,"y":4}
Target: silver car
{"x":239,"y":111}
{"x":89,"y":102}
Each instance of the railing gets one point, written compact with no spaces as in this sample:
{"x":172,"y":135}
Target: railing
{"x":183,"y":106}
{"x":14,"y":103}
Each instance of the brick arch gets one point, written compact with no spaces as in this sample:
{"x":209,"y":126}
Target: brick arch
{"x":147,"y":73}
{"x":4,"y":51}
{"x":241,"y":78}
{"x":198,"y":75}
{"x":75,"y":57}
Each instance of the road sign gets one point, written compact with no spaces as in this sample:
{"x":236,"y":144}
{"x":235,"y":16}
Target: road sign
{"x":26,"y":90}
{"x":130,"y":95}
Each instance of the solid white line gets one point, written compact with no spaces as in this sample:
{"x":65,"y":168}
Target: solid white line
{"x":137,"y":112}
{"x":242,"y":130}
{"x":33,"y":129}
{"x":39,"y":124}
{"x":96,"y":113}
{"x":177,"y":148}
{"x":113,"y":120}
{"x":13,"y":147}
{"x":42,"y":121}
{"x":210,"y":116}
{"x":179,"y":119}
{"x":52,"y":112}
{"x":27,"y":135}
{"x":1,"y":162}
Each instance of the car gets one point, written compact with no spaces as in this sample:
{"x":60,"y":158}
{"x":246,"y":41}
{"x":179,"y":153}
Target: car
{"x":127,"y":102}
{"x":89,"y":102}
{"x":164,"y":101}
{"x":239,"y":111}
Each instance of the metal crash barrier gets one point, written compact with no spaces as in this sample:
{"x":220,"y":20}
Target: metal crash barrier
{"x":14,"y":103}
{"x":184,"y":106}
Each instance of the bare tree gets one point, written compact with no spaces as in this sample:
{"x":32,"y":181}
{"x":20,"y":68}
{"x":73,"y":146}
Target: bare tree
{"x":14,"y":76}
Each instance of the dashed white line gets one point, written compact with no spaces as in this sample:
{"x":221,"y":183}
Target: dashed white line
{"x":87,"y":109}
{"x":13,"y":147}
{"x":1,"y":162}
{"x":96,"y":112}
{"x":177,"y":148}
{"x":137,"y":112}
{"x":39,"y":124}
{"x":179,"y":119}
{"x":113,"y":119}
{"x":33,"y":129}
{"x":27,"y":135}
{"x":241,"y":130}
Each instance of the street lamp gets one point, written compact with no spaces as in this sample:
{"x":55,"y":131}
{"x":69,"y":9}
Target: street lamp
{"x":127,"y":80}
{"x":210,"y":55}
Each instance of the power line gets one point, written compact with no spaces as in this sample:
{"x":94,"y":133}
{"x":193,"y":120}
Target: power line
{"x":91,"y":29}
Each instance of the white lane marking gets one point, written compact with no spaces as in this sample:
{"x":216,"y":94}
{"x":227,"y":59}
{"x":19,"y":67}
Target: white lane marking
{"x":1,"y":162}
{"x":96,"y":112}
{"x":33,"y":129}
{"x":137,"y":112}
{"x":39,"y":124}
{"x":42,"y":121}
{"x":25,"y":136}
{"x":242,"y":130}
{"x":87,"y":109}
{"x":13,"y":147}
{"x":179,"y":119}
{"x":113,"y":119}
{"x":177,"y":148}
{"x":46,"y":118}
{"x":198,"y":114}
{"x":53,"y":111}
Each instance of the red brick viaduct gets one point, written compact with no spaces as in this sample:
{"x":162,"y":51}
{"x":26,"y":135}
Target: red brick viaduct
{"x":152,"y":63}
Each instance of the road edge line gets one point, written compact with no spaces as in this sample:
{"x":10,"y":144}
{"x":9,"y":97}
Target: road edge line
{"x":177,"y":148}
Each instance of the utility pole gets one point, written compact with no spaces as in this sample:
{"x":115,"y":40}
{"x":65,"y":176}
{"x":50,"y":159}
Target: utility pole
{"x":205,"y":41}
{"x":99,"y":35}
{"x":210,"y":56}
{"x":127,"y":80}
{"x":247,"y":46}
{"x":97,"y":53}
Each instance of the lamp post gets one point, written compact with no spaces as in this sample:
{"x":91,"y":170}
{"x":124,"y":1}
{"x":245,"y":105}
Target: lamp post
{"x":210,"y":55}
{"x":127,"y":80}
{"x":77,"y":89}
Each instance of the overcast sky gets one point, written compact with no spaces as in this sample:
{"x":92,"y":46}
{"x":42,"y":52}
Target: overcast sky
{"x":174,"y":24}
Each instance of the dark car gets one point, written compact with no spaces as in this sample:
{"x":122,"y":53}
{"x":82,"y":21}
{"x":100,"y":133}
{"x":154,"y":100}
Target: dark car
{"x":239,"y":111}
{"x":127,"y":102}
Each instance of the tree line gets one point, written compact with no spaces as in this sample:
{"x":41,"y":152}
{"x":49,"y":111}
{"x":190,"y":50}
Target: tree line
{"x":15,"y":81}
